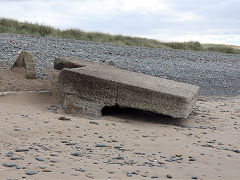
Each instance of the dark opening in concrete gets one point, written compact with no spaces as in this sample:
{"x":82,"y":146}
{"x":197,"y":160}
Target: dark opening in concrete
{"x":128,"y":112}
{"x":131,"y":114}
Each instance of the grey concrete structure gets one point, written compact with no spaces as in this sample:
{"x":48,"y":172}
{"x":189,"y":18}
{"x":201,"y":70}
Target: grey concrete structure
{"x":27,"y":61}
{"x":89,"y":87}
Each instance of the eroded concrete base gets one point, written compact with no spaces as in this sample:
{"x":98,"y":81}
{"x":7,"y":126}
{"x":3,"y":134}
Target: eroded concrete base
{"x":76,"y":105}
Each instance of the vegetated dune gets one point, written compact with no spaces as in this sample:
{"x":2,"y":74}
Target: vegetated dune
{"x":14,"y":26}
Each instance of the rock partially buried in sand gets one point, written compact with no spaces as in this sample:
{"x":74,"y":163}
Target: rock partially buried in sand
{"x":27,"y":61}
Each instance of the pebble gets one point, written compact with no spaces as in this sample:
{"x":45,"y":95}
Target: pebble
{"x":129,"y":174}
{"x":14,"y":158}
{"x":154,"y":177}
{"x":31,"y":173}
{"x":76,"y":154}
{"x":21,"y":150}
{"x":169,"y":176}
{"x":9,"y":154}
{"x":79,"y":169}
{"x":236,"y":151}
{"x":62,"y":118}
{"x":94,"y":122}
{"x":119,"y":157}
{"x":9,"y":165}
{"x":117,"y":147}
{"x":194,"y":177}
{"x":39,"y":159}
{"x":192,"y":159}
{"x":101,"y":145}
{"x":53,"y":154}
{"x":46,"y":170}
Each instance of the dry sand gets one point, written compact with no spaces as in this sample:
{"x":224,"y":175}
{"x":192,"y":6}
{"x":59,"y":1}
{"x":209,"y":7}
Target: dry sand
{"x":139,"y":145}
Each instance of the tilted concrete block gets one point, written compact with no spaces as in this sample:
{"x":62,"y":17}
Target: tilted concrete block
{"x":89,"y":87}
{"x":26,"y":60}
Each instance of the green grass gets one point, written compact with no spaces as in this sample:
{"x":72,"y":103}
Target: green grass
{"x":16,"y":27}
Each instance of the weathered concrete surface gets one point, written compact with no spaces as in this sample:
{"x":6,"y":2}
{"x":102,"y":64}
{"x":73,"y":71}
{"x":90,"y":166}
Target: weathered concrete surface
{"x":89,"y":87}
{"x":27,"y":61}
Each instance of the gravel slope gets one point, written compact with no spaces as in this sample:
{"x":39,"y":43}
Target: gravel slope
{"x":217,"y":74}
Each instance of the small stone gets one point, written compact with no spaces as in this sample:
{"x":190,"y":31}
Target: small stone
{"x":43,"y":167}
{"x":62,"y":118}
{"x":123,"y":149}
{"x":70,"y":144}
{"x":80,"y":169}
{"x":53,"y":154}
{"x":129,"y":174}
{"x":21,"y":150}
{"x":94,"y":122}
{"x":169,"y":160}
{"x":192,"y":159}
{"x":17,"y":129}
{"x":211,"y":141}
{"x":169,"y":176}
{"x":154,"y":177}
{"x":39,"y":159}
{"x":145,"y":135}
{"x":194,"y":177}
{"x":53,"y":161}
{"x":101,"y":145}
{"x":117,"y":147}
{"x":9,"y":165}
{"x":236,"y":151}
{"x":139,"y":153}
{"x":14,"y":158}
{"x":9,"y":154}
{"x":111,"y":172}
{"x":76,"y":154}
{"x":31,"y":173}
{"x":46,"y":170}
{"x":119,"y":157}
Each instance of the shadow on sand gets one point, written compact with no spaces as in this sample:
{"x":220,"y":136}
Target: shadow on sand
{"x":131,"y":115}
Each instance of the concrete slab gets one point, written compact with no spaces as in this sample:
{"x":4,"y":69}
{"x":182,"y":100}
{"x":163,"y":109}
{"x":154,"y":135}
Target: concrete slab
{"x":89,"y":87}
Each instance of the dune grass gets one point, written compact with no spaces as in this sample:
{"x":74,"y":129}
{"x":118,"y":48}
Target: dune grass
{"x":16,"y":27}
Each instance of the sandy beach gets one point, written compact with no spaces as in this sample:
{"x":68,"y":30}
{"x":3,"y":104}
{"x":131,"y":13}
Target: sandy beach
{"x":39,"y":141}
